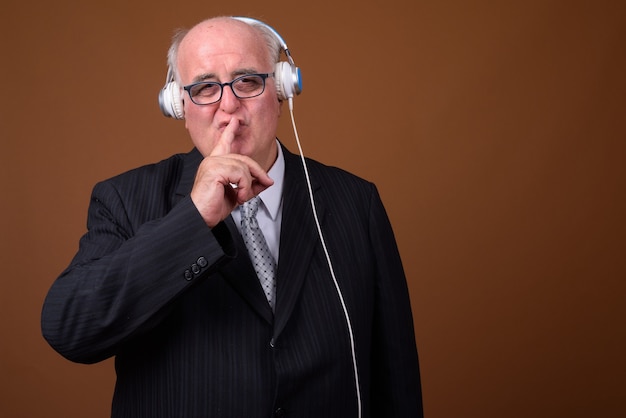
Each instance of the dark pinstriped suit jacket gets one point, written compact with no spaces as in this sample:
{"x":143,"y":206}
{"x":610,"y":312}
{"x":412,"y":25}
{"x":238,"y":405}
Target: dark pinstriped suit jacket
{"x":180,"y":306}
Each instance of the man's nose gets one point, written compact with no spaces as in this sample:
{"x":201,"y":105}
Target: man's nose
{"x":229,"y":102}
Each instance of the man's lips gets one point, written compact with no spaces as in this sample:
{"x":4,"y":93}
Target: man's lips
{"x":222,"y":125}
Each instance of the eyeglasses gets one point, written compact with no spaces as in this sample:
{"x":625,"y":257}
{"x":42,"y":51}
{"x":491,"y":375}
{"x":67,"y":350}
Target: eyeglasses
{"x":244,"y":87}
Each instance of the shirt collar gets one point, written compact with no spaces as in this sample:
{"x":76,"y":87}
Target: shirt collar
{"x":272,"y":196}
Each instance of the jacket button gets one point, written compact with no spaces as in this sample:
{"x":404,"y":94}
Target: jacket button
{"x":195,"y":269}
{"x":280,"y":412}
{"x":188,"y":275}
{"x":202,"y":262}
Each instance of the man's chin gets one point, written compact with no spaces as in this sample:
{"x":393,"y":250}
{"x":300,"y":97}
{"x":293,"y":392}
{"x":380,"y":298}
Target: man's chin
{"x":239,"y":146}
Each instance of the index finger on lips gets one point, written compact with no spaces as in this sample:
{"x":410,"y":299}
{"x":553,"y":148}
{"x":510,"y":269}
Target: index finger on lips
{"x":222,"y":147}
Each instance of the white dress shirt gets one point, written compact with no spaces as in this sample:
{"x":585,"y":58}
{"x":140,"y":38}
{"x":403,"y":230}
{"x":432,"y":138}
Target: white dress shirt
{"x":270,"y":212}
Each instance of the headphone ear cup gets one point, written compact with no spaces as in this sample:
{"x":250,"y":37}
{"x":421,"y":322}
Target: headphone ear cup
{"x":288,"y":80}
{"x":170,"y":101}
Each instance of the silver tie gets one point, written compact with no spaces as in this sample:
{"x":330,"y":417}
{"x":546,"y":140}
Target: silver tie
{"x":262,"y":258}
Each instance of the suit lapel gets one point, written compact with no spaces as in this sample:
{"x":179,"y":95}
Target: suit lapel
{"x":298,"y":239}
{"x":191,"y":162}
{"x":242,"y":277}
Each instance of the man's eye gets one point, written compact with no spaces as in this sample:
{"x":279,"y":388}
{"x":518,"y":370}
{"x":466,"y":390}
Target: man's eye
{"x":206,"y":89}
{"x":248,"y":84}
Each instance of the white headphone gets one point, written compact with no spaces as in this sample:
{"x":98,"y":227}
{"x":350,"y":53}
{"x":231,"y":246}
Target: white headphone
{"x":286,"y":74}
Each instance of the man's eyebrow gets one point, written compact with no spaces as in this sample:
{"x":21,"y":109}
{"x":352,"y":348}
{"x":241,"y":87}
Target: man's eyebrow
{"x":213,"y":76}
{"x":244,"y":71}
{"x":203,"y":77}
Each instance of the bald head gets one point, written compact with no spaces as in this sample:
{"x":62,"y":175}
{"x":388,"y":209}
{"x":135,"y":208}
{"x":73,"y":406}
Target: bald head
{"x":221,"y":29}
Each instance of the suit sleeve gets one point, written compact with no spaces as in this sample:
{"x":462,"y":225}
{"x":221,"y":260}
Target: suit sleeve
{"x":126,"y":275}
{"x":396,"y":387}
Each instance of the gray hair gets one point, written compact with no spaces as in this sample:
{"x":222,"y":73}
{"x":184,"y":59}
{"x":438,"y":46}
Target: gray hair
{"x":273,"y":44}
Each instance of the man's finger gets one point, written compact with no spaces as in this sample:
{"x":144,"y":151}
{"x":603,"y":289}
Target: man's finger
{"x":222,"y":147}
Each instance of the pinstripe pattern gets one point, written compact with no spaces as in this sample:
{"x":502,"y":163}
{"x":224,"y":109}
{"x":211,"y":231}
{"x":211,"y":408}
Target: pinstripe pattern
{"x":180,"y":306}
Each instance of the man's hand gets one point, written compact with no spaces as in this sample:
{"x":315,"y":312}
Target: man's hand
{"x":226,"y":180}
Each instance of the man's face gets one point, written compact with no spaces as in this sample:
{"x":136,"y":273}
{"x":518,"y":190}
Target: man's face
{"x":222,"y":50}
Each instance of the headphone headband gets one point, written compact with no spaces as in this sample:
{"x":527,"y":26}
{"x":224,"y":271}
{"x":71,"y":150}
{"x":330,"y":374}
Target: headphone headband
{"x":250,"y":21}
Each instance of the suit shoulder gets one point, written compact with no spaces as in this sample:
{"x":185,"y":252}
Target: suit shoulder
{"x":151,"y":182}
{"x":338,"y":178}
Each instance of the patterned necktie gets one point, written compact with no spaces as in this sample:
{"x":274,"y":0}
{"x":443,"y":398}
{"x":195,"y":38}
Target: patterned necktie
{"x":262,"y":258}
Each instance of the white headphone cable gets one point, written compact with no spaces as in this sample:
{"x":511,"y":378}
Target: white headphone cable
{"x":330,"y":265}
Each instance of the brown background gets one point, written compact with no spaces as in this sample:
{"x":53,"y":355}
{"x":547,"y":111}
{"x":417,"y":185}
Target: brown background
{"x":495,"y":131}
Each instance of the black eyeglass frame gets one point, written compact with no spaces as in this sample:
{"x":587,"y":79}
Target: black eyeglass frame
{"x":263,"y":76}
